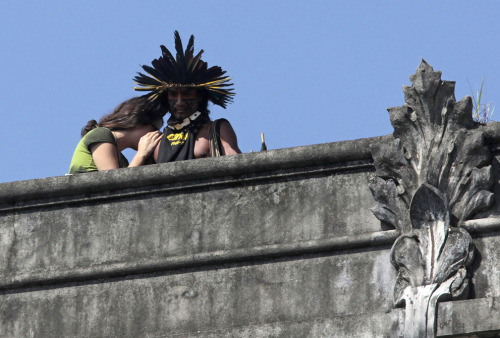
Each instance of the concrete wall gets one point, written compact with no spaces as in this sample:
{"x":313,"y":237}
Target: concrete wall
{"x":273,"y":244}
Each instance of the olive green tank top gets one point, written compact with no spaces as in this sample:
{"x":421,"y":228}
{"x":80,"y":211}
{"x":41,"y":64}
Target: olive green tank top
{"x":82,"y":161}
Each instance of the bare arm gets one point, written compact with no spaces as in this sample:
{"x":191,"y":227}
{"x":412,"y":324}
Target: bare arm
{"x":105,"y":155}
{"x":228,"y":139}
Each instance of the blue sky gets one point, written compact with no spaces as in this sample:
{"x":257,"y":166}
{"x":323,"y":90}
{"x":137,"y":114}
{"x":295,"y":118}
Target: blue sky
{"x":305,"y":72}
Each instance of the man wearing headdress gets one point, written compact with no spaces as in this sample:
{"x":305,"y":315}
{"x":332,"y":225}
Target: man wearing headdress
{"x":183,"y":86}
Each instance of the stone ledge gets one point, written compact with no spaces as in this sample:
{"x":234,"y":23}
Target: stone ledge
{"x":198,"y":222}
{"x":205,"y":260}
{"x":475,"y":317}
{"x":184,"y":171}
{"x":359,"y":325}
{"x":182,"y":186}
{"x":321,"y":292}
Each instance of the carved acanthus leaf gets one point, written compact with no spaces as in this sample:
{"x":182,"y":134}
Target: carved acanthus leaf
{"x":430,"y":221}
{"x":435,"y":142}
{"x":433,"y":251}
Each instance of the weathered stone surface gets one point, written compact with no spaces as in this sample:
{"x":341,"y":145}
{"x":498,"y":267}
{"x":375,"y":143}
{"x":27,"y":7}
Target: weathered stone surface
{"x":275,"y":244}
{"x":232,"y":247}
{"x":486,"y":269}
{"x":308,"y":289}
{"x":127,"y":230}
{"x":470,"y":318}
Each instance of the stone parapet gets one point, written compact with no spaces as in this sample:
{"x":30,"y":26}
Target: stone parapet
{"x":277,"y":243}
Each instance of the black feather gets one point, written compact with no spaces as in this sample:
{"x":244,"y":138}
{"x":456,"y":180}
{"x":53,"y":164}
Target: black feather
{"x":185,"y":70}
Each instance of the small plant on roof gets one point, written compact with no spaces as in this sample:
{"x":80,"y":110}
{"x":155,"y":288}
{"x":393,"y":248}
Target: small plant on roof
{"x":481,"y":112}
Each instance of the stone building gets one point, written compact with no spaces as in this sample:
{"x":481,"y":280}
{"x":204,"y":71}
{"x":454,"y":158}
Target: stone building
{"x":396,"y":235}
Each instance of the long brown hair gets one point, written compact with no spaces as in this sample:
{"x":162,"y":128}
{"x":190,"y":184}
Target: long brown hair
{"x":131,"y":113}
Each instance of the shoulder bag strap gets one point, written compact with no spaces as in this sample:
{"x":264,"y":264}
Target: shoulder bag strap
{"x":214,"y":139}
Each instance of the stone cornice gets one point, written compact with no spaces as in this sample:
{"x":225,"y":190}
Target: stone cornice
{"x":345,"y":155}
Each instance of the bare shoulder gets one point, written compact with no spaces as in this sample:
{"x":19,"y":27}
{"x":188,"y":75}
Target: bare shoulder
{"x":105,"y":147}
{"x":228,"y":139}
{"x":225,"y":126}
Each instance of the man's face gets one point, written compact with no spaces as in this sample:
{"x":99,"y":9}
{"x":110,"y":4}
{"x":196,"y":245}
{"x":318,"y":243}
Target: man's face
{"x":183,"y":102}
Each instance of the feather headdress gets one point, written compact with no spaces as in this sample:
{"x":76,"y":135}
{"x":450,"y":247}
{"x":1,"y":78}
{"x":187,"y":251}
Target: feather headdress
{"x":184,"y":71}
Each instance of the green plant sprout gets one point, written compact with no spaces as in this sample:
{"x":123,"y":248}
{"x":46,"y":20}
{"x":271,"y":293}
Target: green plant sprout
{"x":481,"y":112}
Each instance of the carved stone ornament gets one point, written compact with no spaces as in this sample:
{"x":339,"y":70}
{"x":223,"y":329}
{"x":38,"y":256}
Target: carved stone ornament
{"x":429,"y":180}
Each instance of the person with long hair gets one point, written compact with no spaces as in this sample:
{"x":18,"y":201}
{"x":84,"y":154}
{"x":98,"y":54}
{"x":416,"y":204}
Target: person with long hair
{"x":133,"y":124}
